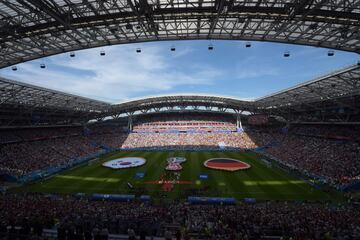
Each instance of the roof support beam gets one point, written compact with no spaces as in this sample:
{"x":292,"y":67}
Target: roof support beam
{"x":44,"y":6}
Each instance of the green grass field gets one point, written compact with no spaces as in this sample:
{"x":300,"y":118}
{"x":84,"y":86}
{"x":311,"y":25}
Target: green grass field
{"x":260,"y":181}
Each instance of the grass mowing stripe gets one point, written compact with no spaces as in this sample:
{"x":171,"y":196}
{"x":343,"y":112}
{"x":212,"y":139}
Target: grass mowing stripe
{"x":259,"y":181}
{"x":103,"y":172}
{"x":264,"y":176}
{"x":124,"y":177}
{"x":61,"y":185}
{"x":94,"y":171}
{"x":261,"y":174}
{"x":154,"y":171}
{"x":294,"y":185}
{"x":217,"y":178}
{"x":235,"y":179}
{"x":239,"y":190}
{"x":278,"y":176}
{"x":65,"y":183}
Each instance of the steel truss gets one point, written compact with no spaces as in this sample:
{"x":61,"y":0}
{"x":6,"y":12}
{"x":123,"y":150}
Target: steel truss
{"x":21,"y":102}
{"x":180,"y":103}
{"x":31,"y":29}
{"x":334,"y":96}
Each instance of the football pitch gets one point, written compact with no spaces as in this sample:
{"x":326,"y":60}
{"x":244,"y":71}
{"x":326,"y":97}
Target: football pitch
{"x":260,"y":181}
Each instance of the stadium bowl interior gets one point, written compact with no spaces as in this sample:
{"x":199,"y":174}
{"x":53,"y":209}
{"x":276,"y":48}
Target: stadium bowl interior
{"x":177,"y":166}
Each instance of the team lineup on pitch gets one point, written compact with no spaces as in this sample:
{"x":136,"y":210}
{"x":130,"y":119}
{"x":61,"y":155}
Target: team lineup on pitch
{"x":178,"y":175}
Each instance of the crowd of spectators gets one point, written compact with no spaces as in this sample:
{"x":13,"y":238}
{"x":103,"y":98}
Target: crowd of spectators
{"x":330,"y":152}
{"x":346,"y":132}
{"x":23,"y":151}
{"x":38,"y":133}
{"x":185,"y":126}
{"x":312,"y":150}
{"x":38,"y":151}
{"x":308,"y":148}
{"x":188,"y":140}
{"x":83,"y":219}
{"x":8,"y":136}
{"x":25,"y":157}
{"x":112,"y":140}
{"x":185,"y":122}
{"x":188,"y":117}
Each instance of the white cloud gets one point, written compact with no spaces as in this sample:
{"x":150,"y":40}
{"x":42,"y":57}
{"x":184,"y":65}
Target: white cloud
{"x":123,"y":74}
{"x":120,"y":75}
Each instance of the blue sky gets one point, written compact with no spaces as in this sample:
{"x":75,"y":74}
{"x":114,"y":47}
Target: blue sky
{"x":229,"y":70}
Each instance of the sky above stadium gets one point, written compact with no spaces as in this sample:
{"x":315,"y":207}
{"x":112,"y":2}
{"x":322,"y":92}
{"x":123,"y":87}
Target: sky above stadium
{"x":229,"y":70}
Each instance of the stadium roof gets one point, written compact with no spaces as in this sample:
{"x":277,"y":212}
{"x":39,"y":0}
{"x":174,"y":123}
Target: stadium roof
{"x":31,"y":29}
{"x":181,"y":102}
{"x":343,"y":83}
{"x":338,"y":91}
{"x":18,"y":93}
{"x":22,"y":103}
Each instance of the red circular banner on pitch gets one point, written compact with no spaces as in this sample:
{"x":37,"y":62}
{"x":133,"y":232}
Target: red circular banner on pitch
{"x":227,"y":164}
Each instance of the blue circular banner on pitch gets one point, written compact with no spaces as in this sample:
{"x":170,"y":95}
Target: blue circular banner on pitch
{"x":126,"y":162}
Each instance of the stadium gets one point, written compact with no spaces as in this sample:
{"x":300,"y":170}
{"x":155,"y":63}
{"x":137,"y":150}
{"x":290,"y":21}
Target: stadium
{"x":154,"y":164}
